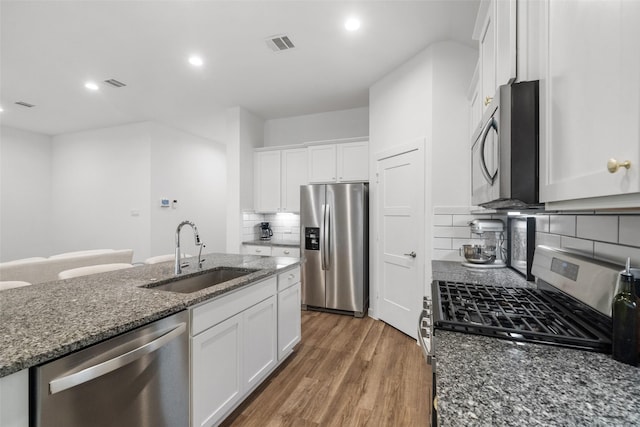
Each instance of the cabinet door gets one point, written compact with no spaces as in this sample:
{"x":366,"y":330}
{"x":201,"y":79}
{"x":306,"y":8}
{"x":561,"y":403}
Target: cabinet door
{"x":260,"y":342}
{"x":289,"y":318}
{"x":590,"y":100}
{"x":256,"y":250}
{"x":266,"y":176}
{"x":294,"y":174}
{"x":488,"y":59}
{"x":505,"y":24}
{"x":353,"y":161}
{"x":216,"y":373}
{"x":322,"y":163}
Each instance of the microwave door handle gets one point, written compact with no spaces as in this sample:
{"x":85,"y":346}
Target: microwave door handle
{"x":483,"y":139}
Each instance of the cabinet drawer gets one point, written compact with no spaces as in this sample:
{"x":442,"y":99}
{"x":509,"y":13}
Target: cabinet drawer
{"x":257,"y":250}
{"x":215,"y":311}
{"x":288,"y":278}
{"x":285,"y":251}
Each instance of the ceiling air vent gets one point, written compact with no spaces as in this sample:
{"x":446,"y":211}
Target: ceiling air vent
{"x":279,"y":43}
{"x":114,"y":83}
{"x":25,"y":104}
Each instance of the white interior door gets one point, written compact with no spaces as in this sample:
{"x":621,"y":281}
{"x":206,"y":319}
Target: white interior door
{"x":400,"y":253}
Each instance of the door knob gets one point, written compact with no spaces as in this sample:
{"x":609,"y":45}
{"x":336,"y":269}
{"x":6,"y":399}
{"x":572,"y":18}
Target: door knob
{"x":412,"y":254}
{"x":613,"y":165}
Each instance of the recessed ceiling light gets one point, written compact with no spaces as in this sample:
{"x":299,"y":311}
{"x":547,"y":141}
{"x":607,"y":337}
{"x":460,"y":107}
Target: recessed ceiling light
{"x":352,"y":24}
{"x":91,"y":86}
{"x":196,"y":61}
{"x":1,"y":109}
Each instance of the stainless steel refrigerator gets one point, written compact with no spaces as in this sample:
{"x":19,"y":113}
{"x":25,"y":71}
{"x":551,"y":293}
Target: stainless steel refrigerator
{"x":334,"y":227}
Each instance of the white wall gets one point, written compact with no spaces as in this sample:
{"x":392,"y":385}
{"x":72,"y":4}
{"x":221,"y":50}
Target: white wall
{"x":317,"y":127}
{"x":425,"y":99}
{"x":191,"y":170}
{"x":107,"y":184}
{"x":25,"y":194}
{"x":244,"y":133}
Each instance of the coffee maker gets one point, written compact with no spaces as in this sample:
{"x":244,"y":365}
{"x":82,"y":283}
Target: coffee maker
{"x":265,"y":231}
{"x":490,"y":254}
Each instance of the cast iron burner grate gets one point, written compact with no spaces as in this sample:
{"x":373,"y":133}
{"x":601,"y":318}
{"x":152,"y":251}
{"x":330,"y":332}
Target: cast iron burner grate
{"x":520,"y":314}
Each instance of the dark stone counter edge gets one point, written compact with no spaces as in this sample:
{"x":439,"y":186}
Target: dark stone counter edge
{"x":272,"y":243}
{"x":198,"y":297}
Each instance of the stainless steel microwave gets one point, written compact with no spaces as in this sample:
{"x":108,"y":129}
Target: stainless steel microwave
{"x":504,"y":154}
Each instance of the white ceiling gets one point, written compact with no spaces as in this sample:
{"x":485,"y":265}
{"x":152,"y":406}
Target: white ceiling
{"x":49,"y":49}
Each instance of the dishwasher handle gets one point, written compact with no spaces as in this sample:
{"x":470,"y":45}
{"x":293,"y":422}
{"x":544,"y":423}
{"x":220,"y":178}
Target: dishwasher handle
{"x":63,"y":383}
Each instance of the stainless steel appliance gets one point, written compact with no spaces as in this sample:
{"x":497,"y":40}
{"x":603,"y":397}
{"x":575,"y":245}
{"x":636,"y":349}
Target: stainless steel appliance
{"x":521,"y":235}
{"x":265,"y":231}
{"x":571,"y":306}
{"x":504,"y":167}
{"x":334,"y":222}
{"x":140,"y":378}
{"x":491,"y":253}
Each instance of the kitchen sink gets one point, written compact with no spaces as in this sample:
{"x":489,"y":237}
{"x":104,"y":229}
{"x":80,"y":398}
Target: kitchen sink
{"x":202,"y":281}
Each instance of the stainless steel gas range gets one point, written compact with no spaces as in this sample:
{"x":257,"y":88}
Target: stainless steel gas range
{"x":569,"y":307}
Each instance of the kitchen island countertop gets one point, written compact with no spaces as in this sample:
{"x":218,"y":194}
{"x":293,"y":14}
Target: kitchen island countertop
{"x":45,"y":321}
{"x":489,"y":381}
{"x":282,"y":243}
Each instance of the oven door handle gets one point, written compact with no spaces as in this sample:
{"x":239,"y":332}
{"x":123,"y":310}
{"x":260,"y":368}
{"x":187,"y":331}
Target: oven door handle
{"x":63,"y":383}
{"x":491,"y":124}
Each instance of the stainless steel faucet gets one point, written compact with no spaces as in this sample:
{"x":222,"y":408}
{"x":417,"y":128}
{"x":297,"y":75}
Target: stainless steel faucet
{"x":178,"y":268}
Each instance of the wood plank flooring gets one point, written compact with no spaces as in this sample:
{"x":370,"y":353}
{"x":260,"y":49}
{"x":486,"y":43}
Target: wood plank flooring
{"x":345,"y":372}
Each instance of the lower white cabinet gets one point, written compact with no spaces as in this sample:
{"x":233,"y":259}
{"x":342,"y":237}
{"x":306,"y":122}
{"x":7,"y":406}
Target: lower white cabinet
{"x":289,"y":331}
{"x":256,"y":250}
{"x":287,"y":251}
{"x":14,"y":399}
{"x":260,"y":342}
{"x":237,"y":340}
{"x":216,"y":373}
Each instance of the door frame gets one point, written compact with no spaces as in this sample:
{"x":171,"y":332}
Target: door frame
{"x":375,"y":223}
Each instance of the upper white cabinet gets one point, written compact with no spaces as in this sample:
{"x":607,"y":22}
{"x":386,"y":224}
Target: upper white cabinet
{"x":278,"y":175}
{"x":588,"y":54}
{"x":266,"y":178}
{"x":495,"y":31}
{"x":344,"y":162}
{"x":294,"y":174}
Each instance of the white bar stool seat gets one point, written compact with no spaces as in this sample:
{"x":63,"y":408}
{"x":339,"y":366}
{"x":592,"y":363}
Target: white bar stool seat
{"x":92,"y":269}
{"x":163,"y":258}
{"x":10,"y":284}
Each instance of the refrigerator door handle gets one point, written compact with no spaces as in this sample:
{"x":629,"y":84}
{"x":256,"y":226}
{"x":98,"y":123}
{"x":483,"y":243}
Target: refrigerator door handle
{"x":323,"y":235}
{"x":327,"y":242}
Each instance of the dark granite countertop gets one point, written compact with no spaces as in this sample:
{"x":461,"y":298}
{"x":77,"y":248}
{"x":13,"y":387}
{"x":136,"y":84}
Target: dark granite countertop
{"x":272,"y":243}
{"x":42,"y":322}
{"x":488,"y":381}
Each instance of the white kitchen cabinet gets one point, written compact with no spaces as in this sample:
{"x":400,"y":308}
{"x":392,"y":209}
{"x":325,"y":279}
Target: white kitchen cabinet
{"x":286,"y":251}
{"x":14,"y":399}
{"x":278,"y":175}
{"x":267,"y":181}
{"x":343,"y":162}
{"x":260,"y":342}
{"x":589,"y":103}
{"x":294,"y":174}
{"x":216,"y":379}
{"x":475,"y":103}
{"x":495,"y":31}
{"x":289,"y":319}
{"x":322,"y":163}
{"x":256,"y":250}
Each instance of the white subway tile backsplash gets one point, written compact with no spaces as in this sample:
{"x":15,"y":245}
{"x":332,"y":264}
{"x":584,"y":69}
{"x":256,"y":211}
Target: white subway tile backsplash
{"x":452,"y":210}
{"x":444,"y":255}
{"x":441,"y":243}
{"x":542,"y":223}
{"x":598,"y":227}
{"x":577,"y":245}
{"x":452,"y":232}
{"x":617,"y":253}
{"x":562,"y":224}
{"x":552,"y":240}
{"x":629,"y":232}
{"x":442,"y":220}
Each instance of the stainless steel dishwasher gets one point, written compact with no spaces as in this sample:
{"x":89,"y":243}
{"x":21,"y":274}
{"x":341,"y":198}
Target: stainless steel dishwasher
{"x":137,"y":379}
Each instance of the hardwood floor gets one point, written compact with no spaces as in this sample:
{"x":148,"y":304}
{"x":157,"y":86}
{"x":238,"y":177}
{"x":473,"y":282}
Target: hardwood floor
{"x":345,"y":372}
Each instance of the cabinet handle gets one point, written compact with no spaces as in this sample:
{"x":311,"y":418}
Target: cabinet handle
{"x":291,"y":276}
{"x":487,"y":100}
{"x":286,"y":252}
{"x":258,"y":250}
{"x":613,"y":165}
